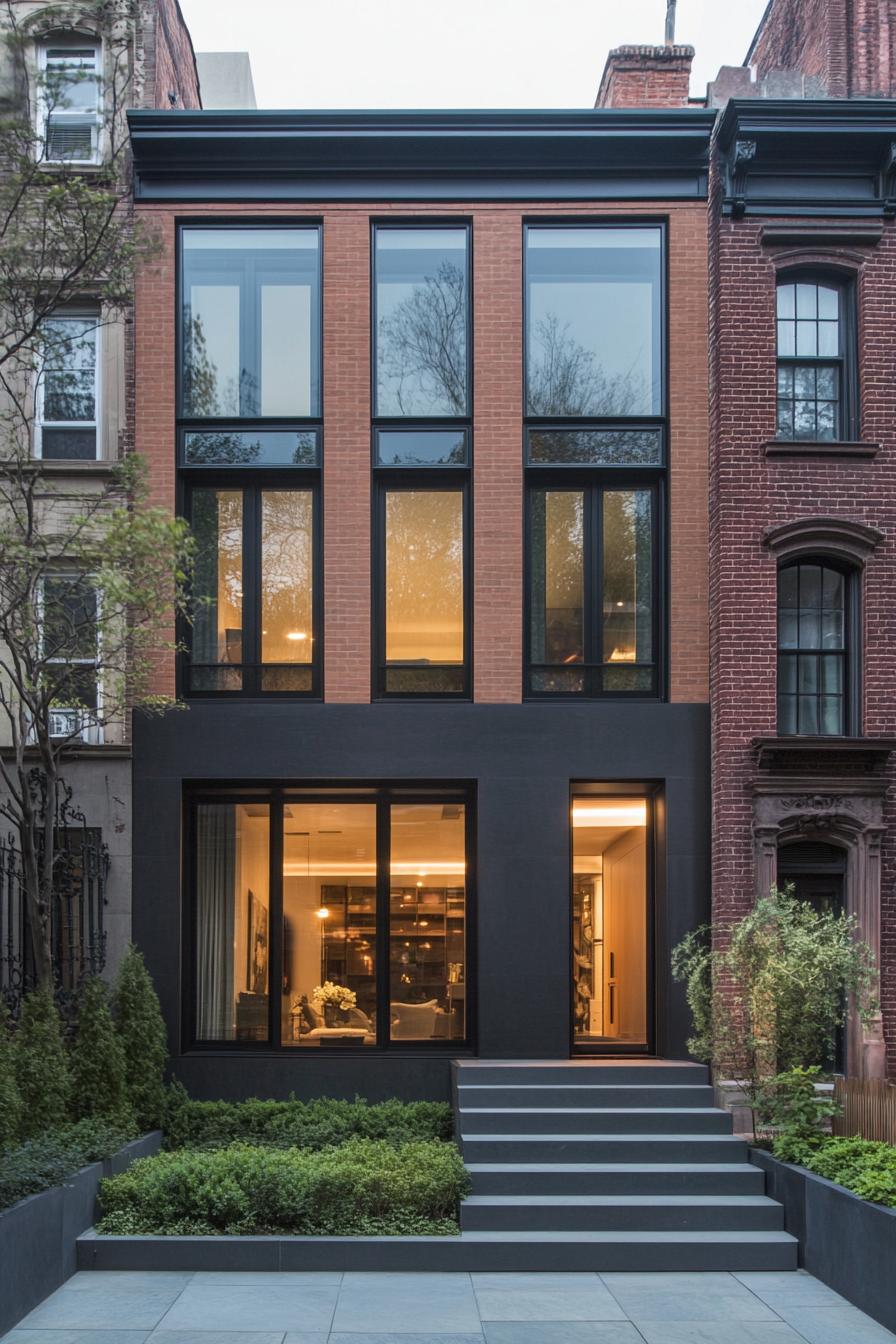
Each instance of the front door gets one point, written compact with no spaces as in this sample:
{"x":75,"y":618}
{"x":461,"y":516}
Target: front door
{"x":817,"y":872}
{"x":610,"y":955}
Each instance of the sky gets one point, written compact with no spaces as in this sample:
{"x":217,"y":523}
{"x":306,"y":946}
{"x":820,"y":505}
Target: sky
{"x":455,"y":53}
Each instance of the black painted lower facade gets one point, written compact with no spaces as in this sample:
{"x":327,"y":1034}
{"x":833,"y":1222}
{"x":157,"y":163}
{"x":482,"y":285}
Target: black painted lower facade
{"x":520,"y":765}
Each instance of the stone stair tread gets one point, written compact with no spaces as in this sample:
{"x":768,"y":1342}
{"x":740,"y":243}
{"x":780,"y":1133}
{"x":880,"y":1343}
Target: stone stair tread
{"x":615,"y":1201}
{"x":577,"y":1136}
{"x":634,"y":1238}
{"x":583,"y":1087}
{"x":588,"y":1168}
{"x":575,"y":1111}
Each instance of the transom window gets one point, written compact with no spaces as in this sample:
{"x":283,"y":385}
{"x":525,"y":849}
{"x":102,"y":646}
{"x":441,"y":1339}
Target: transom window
{"x":70,"y":98}
{"x":812,"y":372}
{"x":814,"y":630}
{"x":68,"y":391}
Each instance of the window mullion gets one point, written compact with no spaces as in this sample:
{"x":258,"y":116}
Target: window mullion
{"x":252,"y":578}
{"x":595,"y":572}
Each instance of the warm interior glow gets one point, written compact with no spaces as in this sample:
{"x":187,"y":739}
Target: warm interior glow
{"x":424,"y":576}
{"x":295,"y":634}
{"x":593,"y":812}
{"x":349,"y":868}
{"x":323,"y":913}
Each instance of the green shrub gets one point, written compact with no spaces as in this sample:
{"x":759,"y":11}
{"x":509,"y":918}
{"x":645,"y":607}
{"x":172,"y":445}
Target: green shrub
{"x":41,"y":1067}
{"x":316,"y":1124}
{"x":48,"y":1159}
{"x":363,"y":1187}
{"x":789,"y":1104}
{"x":862,"y":1165}
{"x":10,"y":1101}
{"x":144,"y":1040}
{"x":97,"y":1062}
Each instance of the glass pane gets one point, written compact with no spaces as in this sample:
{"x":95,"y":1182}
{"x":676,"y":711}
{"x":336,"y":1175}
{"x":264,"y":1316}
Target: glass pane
{"x":287,"y":560}
{"x":250,"y":322}
{"x":558,"y":578}
{"x":804,"y":382}
{"x":826,"y":383}
{"x":440,"y":680}
{"x":831,"y":720}
{"x":68,"y":361}
{"x":807,"y":673}
{"x":786,"y":301}
{"x":69,"y":630}
{"x":421,"y":448}
{"x":785,"y":419}
{"x":804,"y":420}
{"x":218,"y":576}
{"x":621,"y":678}
{"x":826,"y":420}
{"x":232,"y":921}
{"x":785,"y":380}
{"x":828,"y":302}
{"x":609,"y":919}
{"x":808,"y":714}
{"x":427,"y":922}
{"x":329,"y":924}
{"x":806,"y":338}
{"x":807,"y":301}
{"x":594,"y":316}
{"x":788,"y":586}
{"x":424,"y":576}
{"x":832,"y":673}
{"x":421,"y":321}
{"x":72,"y":83}
{"x":787,"y":714}
{"x":596,"y":447}
{"x":71,"y":445}
{"x":828,"y":338}
{"x":559,"y":681}
{"x":787,"y":673}
{"x":628,"y":579}
{"x":258,"y":448}
{"x":786,"y":339}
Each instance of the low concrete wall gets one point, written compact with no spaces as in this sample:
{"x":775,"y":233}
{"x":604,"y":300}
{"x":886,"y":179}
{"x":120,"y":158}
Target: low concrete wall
{"x":39,"y":1235}
{"x":846,"y":1242}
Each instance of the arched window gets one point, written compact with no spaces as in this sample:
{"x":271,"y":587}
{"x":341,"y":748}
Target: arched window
{"x":816,"y":624}
{"x":815,"y":367}
{"x":69,"y":103}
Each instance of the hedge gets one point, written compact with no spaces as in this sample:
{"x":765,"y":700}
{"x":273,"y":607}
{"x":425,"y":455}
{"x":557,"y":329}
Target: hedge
{"x":365,"y":1187}
{"x":317,"y":1124}
{"x":47,"y":1160}
{"x":866,"y":1167}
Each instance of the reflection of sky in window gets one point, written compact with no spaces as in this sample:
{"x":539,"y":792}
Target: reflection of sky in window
{"x":600,"y":288}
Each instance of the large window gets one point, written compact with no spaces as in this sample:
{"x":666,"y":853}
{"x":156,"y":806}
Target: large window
{"x":362,"y":922}
{"x":816,"y":624}
{"x":71,"y":653}
{"x":814,"y":401}
{"x":69,"y":98}
{"x":68,"y":392}
{"x":421,"y":457}
{"x":595,"y":457}
{"x":255,"y":617}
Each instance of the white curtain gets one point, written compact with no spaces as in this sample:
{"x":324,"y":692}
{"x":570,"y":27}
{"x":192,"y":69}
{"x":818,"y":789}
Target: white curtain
{"x":215,"y":906}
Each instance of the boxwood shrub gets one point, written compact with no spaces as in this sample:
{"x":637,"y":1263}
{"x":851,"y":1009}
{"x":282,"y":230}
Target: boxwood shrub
{"x":363,"y":1187}
{"x":861,"y":1165}
{"x":47,"y":1160}
{"x":302,"y":1124}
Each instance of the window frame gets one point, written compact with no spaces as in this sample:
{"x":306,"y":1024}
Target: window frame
{"x":74,"y":40}
{"x":90,"y":726}
{"x":276,"y":796}
{"x":40,"y":423}
{"x":411,"y":480}
{"x":851,"y":653}
{"x":252,"y":487}
{"x":594,"y":483}
{"x":846,"y":363}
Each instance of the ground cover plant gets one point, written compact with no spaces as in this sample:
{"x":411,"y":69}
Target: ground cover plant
{"x":50,"y":1158}
{"x":865,"y":1166}
{"x":360,"y":1187}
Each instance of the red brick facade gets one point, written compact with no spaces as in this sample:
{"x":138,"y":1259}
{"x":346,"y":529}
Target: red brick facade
{"x":168,"y":61}
{"x":646,"y":77}
{"x":849,"y":45}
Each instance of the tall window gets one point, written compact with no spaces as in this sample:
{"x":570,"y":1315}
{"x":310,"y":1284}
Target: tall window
{"x":68,"y":390}
{"x":250,"y":451}
{"x":816,"y":618}
{"x":421,"y":458}
{"x":69,"y":101}
{"x":70,"y":649}
{"x":356,"y":937}
{"x":813,"y":368}
{"x":595,"y":453}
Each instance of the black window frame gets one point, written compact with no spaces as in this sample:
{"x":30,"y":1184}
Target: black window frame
{"x":594,"y":479}
{"x":850,"y":654}
{"x":845,"y":363}
{"x":252,"y":487}
{"x":276,"y":796}
{"x":417,"y":476}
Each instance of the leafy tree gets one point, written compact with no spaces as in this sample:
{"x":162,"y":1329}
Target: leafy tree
{"x":41,"y":1066}
{"x":99,"y":1076}
{"x":423,"y":348}
{"x":90,"y":580}
{"x":10,"y":1101}
{"x":144,"y":1040}
{"x":768,"y":993}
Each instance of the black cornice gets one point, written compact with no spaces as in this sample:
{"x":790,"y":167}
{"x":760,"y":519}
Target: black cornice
{"x":809,"y":157}
{"x":493,"y":155}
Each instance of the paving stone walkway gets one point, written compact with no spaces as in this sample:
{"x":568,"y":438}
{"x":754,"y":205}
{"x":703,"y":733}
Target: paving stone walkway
{"x":322,"y":1308}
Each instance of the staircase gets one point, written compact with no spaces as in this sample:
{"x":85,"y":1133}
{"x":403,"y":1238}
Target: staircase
{"x":623,"y":1165}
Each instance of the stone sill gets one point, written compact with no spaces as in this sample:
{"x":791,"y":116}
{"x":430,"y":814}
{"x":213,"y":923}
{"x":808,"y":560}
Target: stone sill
{"x":871,"y":753}
{"x":819,"y":448}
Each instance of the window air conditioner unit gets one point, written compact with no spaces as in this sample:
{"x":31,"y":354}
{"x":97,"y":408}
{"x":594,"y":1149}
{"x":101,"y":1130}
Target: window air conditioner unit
{"x":65,"y":722}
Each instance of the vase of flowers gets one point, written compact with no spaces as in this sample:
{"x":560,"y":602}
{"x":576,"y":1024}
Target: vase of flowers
{"x":334,"y":1002}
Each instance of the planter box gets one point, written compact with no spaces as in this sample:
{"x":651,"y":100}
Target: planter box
{"x":39,"y":1235}
{"x":846,"y":1242}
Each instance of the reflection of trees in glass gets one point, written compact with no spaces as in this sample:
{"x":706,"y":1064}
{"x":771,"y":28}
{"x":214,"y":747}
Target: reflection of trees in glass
{"x":557,"y":580}
{"x":424,"y":576}
{"x":67,"y":356}
{"x":565,"y":378}
{"x":422,"y":348}
{"x":627,"y":575}
{"x":595,"y":447}
{"x":218,"y":576}
{"x":206,"y":393}
{"x":286,"y":574}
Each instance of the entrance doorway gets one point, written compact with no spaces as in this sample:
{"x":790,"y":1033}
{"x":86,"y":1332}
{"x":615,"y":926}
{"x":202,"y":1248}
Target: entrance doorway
{"x":610,"y":985}
{"x":817,"y":872}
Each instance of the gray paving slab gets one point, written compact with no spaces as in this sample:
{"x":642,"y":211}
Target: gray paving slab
{"x":232,"y":1307}
{"x":225,"y":1336}
{"x":561,"y":1332}
{"x":94,"y":1280}
{"x":397,"y":1280}
{"x":590,"y":1301}
{"x":511,"y":1280}
{"x":306,"y":1278}
{"x":396,"y":1339}
{"x":790,"y":1290}
{"x":408,"y":1309}
{"x":21,"y":1336}
{"x":103,"y":1308}
{"x":835,"y":1325}
{"x":659,"y":1304}
{"x":708,"y":1332}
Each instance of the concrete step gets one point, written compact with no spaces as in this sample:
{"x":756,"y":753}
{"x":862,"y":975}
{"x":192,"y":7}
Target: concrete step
{"x":600,"y":1120}
{"x":583,"y":1147}
{"x":555,"y":1072}
{"x":623,"y":1178}
{"x":587,"y":1095}
{"x":627,"y":1213}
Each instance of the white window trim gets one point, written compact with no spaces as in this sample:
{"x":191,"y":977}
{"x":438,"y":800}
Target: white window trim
{"x":40,"y":423}
{"x":87,"y":724}
{"x":43,"y":115}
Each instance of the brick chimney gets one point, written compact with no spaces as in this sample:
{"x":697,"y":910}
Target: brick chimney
{"x":646,"y":77}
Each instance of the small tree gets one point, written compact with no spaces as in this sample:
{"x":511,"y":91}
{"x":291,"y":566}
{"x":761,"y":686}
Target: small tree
{"x":768,"y":993}
{"x":41,"y":1066}
{"x":144,"y":1040}
{"x":10,"y":1101}
{"x":99,"y":1086}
